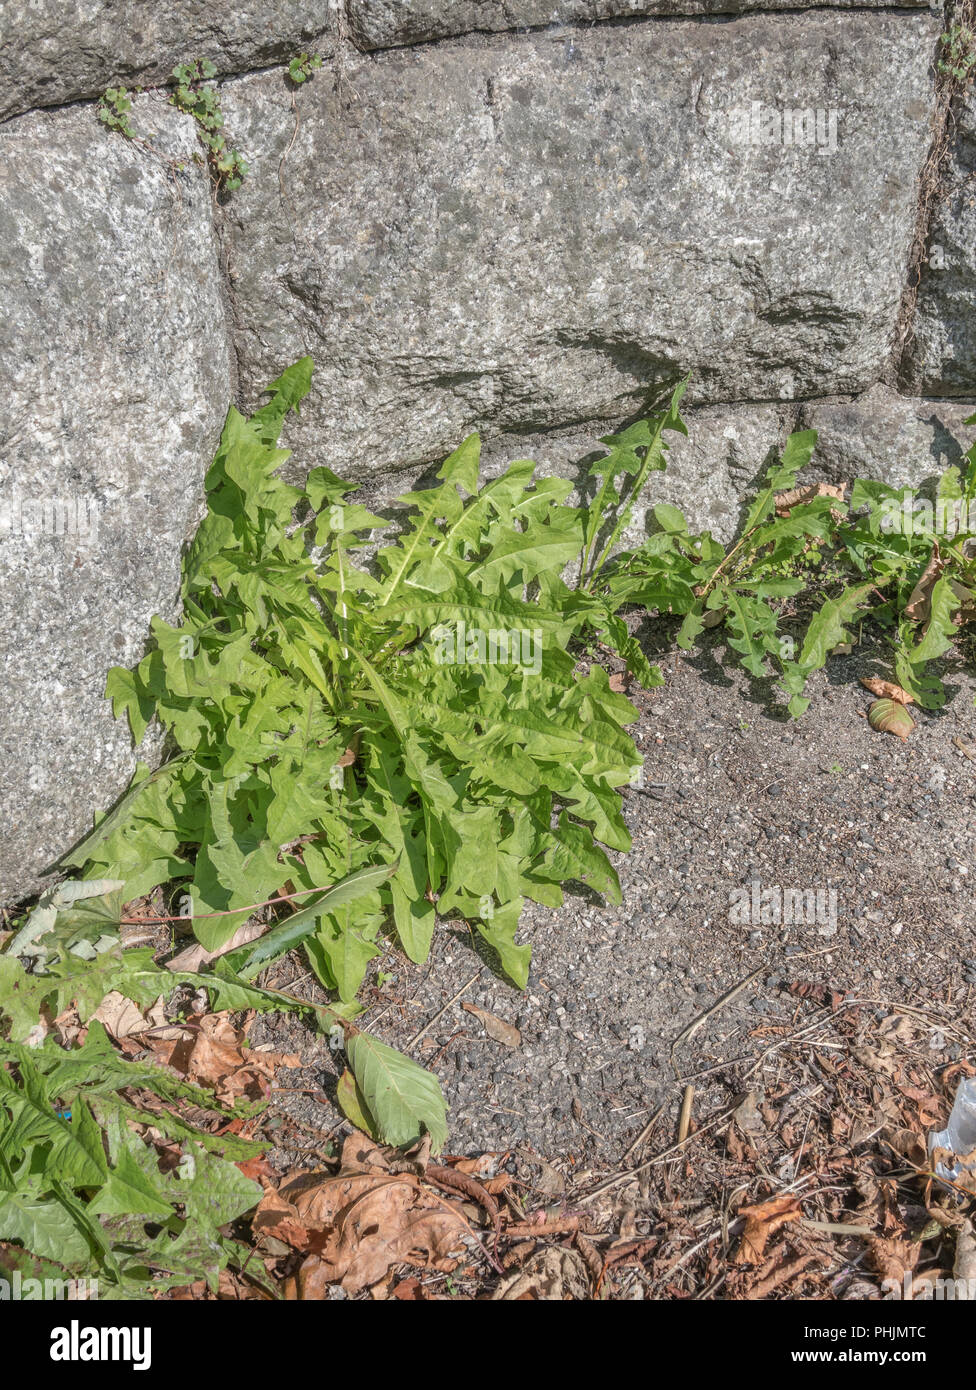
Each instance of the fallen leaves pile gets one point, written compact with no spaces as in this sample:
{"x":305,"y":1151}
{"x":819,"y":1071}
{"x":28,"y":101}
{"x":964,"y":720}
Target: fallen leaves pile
{"x":817,"y":1184}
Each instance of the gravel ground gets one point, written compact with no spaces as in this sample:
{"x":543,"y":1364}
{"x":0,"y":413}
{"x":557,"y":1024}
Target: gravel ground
{"x":823,"y":803}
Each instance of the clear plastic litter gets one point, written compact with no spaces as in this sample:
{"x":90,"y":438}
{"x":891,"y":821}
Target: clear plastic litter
{"x":957,"y":1141}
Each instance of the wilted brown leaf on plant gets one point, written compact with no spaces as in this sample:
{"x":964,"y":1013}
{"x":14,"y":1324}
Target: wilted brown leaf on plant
{"x":786,"y":501}
{"x":919,"y":604}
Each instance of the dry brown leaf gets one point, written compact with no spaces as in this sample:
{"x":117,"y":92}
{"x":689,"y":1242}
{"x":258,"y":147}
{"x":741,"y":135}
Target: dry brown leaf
{"x":67,"y":1027}
{"x":481,"y":1167}
{"x":965,"y":1263}
{"x":550,"y":1182}
{"x":898,"y":1028}
{"x":374,"y":1223}
{"x":591,"y":1258}
{"x":919,"y":604}
{"x":193,"y":957}
{"x":453,"y":1181}
{"x":120,"y":1017}
{"x":276,"y":1217}
{"x":786,"y":501}
{"x":230,"y":1288}
{"x":739,"y":1149}
{"x":747,"y":1115}
{"x":892,"y":1257}
{"x":498,"y":1184}
{"x":761,"y":1222}
{"x":907,"y":1143}
{"x":891,"y":717}
{"x":364,"y":1220}
{"x":618,"y":682}
{"x":411,"y":1290}
{"x":887,"y":690}
{"x":496,"y":1028}
{"x":212,"y":1055}
{"x":782,"y":1273}
{"x":551,"y":1276}
{"x":362,"y":1154}
{"x":359,"y":1152}
{"x":258,"y":1168}
{"x":881,"y":1058}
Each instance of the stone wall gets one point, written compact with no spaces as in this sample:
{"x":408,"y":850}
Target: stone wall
{"x":519,"y":216}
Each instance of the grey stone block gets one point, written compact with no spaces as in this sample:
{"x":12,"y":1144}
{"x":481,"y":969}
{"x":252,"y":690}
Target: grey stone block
{"x":507,"y":235}
{"x":115,"y":376}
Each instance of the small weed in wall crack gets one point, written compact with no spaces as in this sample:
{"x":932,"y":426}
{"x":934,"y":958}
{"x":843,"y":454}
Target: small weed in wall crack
{"x":301,"y":68}
{"x":958,"y":52}
{"x":113,"y":110}
{"x":197,"y":96}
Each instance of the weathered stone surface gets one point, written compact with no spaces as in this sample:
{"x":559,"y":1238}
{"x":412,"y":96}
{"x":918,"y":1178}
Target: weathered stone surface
{"x":114,"y":376}
{"x":54,"y":52}
{"x":941,"y":359}
{"x":505,"y":234}
{"x":901,"y":440}
{"x":386,"y":23}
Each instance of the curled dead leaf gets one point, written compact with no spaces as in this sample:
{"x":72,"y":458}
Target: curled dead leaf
{"x":120,"y":1017}
{"x":919,"y":604}
{"x":212,"y":1054}
{"x":890,"y":717}
{"x":276,"y":1217}
{"x":552,"y":1276}
{"x":887,"y":690}
{"x":786,"y":501}
{"x":761,"y":1222}
{"x":497,"y":1029}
